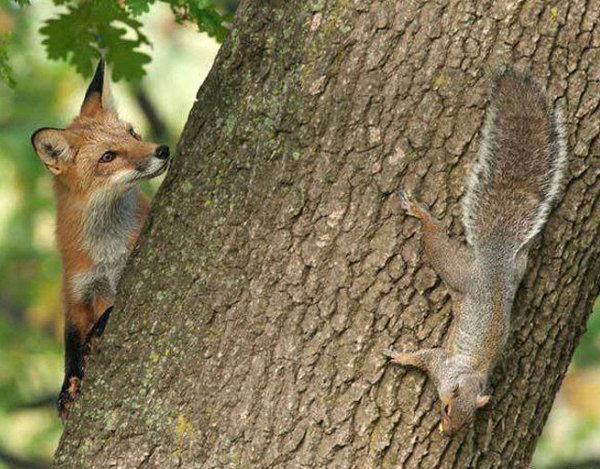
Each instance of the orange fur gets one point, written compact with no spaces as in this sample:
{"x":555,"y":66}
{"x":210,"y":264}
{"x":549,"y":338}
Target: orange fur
{"x":77,"y":259}
{"x":80,"y":177}
{"x":97,"y":163}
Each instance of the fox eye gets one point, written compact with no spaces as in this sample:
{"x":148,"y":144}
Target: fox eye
{"x":134,"y":134}
{"x":108,"y":156}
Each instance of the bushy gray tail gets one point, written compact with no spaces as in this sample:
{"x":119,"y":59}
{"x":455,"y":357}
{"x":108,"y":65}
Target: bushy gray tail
{"x":519,"y":167}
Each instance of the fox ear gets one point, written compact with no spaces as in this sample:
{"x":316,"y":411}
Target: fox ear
{"x":482,"y":400}
{"x":52,"y":147}
{"x":98,"y":96}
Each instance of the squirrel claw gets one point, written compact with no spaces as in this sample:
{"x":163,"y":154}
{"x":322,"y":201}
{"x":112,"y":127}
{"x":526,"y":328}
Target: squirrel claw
{"x":412,"y":208}
{"x":393,"y":354}
{"x":403,"y":197}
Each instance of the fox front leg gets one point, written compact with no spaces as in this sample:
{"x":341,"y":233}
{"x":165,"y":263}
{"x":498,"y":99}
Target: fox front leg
{"x":77,"y":347}
{"x":78,"y":327}
{"x":96,"y":332}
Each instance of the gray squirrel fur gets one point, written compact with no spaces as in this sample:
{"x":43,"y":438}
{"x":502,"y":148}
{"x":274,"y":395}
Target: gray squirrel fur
{"x":512,"y":187}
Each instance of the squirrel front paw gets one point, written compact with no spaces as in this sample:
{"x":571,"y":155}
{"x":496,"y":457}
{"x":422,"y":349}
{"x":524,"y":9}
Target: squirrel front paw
{"x":425,"y":359}
{"x":67,"y":396}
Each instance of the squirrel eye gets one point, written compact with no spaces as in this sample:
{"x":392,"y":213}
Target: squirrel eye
{"x":134,"y":134}
{"x":446,"y":409}
{"x":108,"y":156}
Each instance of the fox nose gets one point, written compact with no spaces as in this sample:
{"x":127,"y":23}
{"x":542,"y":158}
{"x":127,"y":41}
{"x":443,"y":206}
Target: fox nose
{"x":162,"y":152}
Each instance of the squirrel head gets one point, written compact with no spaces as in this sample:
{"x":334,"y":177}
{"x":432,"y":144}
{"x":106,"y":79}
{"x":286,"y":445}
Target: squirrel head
{"x":460,"y":404}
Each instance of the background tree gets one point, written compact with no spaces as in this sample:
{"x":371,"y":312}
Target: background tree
{"x":277,"y":267}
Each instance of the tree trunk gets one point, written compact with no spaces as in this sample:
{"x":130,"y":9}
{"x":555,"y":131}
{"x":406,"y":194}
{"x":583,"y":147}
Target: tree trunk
{"x":277,"y":264}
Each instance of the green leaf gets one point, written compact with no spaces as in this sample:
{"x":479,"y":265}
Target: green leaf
{"x":138,"y":7}
{"x":211,"y":22}
{"x":93,"y":28}
{"x":69,"y":37}
{"x":79,"y":35}
{"x":203,"y":12}
{"x":122,"y":55}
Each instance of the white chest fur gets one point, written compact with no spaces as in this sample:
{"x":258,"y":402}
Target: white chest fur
{"x":108,"y":227}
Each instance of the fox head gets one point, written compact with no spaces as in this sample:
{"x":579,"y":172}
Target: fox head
{"x":98,"y":151}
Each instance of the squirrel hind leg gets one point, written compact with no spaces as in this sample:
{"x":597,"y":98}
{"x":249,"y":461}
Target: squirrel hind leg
{"x":451,"y":259}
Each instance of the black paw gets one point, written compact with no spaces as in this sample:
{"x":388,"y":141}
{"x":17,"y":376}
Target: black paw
{"x":68,"y":394}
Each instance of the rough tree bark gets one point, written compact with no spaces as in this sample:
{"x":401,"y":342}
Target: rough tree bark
{"x":277,"y":265}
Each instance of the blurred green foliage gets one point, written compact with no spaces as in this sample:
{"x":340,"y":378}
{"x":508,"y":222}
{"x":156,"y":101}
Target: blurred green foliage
{"x":31,"y":360}
{"x":5,"y":71}
{"x":87,"y":30}
{"x":30,"y":316}
{"x":587,"y":353}
{"x":48,"y":93}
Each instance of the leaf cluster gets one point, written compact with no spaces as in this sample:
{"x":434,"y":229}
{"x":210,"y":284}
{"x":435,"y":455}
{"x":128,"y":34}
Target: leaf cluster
{"x":89,"y":29}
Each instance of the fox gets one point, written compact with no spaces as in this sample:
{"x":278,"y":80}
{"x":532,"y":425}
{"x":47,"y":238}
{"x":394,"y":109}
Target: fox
{"x":97,"y":164}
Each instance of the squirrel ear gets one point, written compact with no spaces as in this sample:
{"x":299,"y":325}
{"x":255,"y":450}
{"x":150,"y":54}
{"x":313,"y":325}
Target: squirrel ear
{"x":482,"y":400}
{"x":455,"y":391}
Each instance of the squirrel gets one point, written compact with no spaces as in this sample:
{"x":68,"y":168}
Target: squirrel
{"x":512,"y":187}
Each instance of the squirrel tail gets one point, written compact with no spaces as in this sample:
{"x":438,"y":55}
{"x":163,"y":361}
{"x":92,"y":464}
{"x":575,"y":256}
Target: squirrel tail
{"x":519,"y":167}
